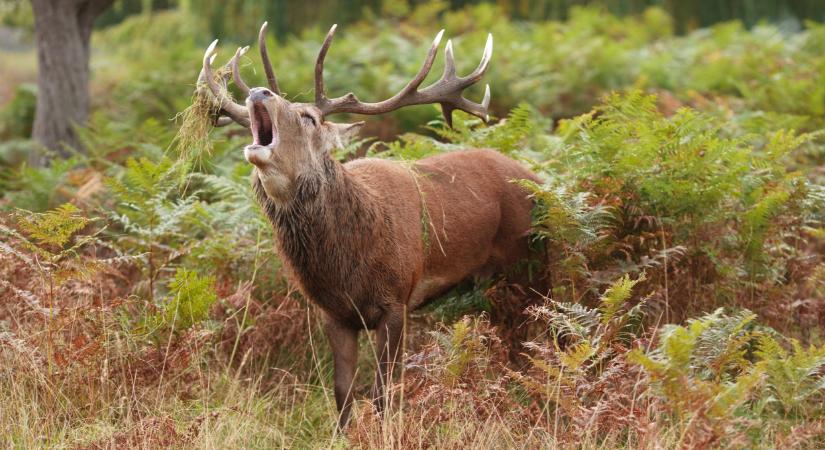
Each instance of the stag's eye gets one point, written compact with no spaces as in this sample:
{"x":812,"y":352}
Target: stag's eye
{"x":308,"y":119}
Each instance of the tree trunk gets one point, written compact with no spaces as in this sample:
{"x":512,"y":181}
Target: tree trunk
{"x":63,"y":29}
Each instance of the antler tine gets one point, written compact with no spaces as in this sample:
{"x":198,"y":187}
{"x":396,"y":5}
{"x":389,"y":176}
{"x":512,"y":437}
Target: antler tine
{"x":236,"y":73}
{"x":425,"y":68}
{"x":446,"y":91}
{"x":235,"y":111}
{"x":485,"y":61}
{"x":320,"y":95}
{"x":449,"y":60}
{"x":270,"y":74}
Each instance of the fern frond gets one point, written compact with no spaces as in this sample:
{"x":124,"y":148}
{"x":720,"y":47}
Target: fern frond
{"x":191,"y":296}
{"x":54,"y":227}
{"x":615,"y":297}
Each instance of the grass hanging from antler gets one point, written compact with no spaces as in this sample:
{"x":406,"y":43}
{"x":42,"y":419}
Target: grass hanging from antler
{"x":193,"y":140}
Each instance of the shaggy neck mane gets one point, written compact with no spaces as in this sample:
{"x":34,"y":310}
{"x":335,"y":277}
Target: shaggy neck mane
{"x":325,"y":232}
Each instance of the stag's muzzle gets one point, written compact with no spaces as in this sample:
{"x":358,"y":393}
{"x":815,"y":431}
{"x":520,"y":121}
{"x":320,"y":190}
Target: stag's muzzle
{"x":259,"y":94}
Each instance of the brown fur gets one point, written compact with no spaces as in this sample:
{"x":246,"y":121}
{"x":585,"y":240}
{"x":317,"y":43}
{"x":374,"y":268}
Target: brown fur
{"x":370,"y":240}
{"x":372,"y":231}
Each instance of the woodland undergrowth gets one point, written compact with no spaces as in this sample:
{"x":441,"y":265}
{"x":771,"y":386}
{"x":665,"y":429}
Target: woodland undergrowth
{"x":681,"y":216}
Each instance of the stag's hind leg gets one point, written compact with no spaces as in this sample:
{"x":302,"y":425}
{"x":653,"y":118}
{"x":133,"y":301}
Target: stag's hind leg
{"x":389,"y":346}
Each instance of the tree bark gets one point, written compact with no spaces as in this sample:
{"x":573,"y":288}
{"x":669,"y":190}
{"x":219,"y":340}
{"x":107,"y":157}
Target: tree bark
{"x":63,"y":29}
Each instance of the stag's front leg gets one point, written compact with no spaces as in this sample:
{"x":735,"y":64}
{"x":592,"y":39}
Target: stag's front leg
{"x":344,"y":343}
{"x":389,"y":340}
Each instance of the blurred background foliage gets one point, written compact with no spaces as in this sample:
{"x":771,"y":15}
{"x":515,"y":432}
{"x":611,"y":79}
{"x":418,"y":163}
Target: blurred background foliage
{"x":560,"y":67}
{"x":231,"y":17}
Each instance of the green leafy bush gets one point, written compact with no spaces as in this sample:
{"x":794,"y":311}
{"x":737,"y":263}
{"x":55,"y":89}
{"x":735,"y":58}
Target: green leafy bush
{"x":719,"y":370}
{"x":17,"y":117}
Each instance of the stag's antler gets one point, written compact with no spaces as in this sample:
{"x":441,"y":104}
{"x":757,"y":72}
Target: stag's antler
{"x":270,"y":74}
{"x":234,"y":111}
{"x":231,"y":111}
{"x":446,"y":91}
{"x":236,"y":73}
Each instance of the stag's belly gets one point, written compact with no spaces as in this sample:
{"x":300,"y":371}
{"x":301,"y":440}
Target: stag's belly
{"x":478,"y":220}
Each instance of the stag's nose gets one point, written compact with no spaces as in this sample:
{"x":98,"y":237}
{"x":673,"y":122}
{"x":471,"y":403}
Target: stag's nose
{"x":259,"y":94}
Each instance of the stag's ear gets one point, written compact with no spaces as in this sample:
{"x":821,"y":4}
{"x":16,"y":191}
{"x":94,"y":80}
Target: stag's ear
{"x":348,"y":131}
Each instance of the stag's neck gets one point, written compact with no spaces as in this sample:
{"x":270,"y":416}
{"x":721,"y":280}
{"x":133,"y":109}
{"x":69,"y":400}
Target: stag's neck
{"x":326,"y":229}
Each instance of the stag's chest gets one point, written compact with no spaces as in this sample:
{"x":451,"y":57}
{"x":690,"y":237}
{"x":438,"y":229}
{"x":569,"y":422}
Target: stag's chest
{"x":335,"y":247}
{"x":357,"y":304}
{"x":339,"y":280}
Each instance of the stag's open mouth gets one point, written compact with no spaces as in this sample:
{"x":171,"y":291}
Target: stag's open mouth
{"x":264,"y":131}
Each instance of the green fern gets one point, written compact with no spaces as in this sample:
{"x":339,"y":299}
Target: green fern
{"x":54,"y":227}
{"x":795,"y":378}
{"x":190,"y":298}
{"x":53,"y":237}
{"x":564,"y":217}
{"x":154,"y":212}
{"x":144,"y":180}
{"x":600,"y":328}
{"x":39,"y":188}
{"x":757,"y":222}
{"x":683,"y":365}
{"x":465,"y":346}
{"x":616,"y":296}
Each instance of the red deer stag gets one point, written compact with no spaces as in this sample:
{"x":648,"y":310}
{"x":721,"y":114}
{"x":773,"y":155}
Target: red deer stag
{"x":372,"y":239}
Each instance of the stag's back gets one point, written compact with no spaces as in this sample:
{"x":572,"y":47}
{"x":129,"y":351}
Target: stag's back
{"x":456,"y":214}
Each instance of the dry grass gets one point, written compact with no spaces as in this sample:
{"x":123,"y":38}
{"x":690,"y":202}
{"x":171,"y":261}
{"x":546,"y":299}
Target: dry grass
{"x":109,"y":387}
{"x":193,"y":141}
{"x":76,"y":373}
